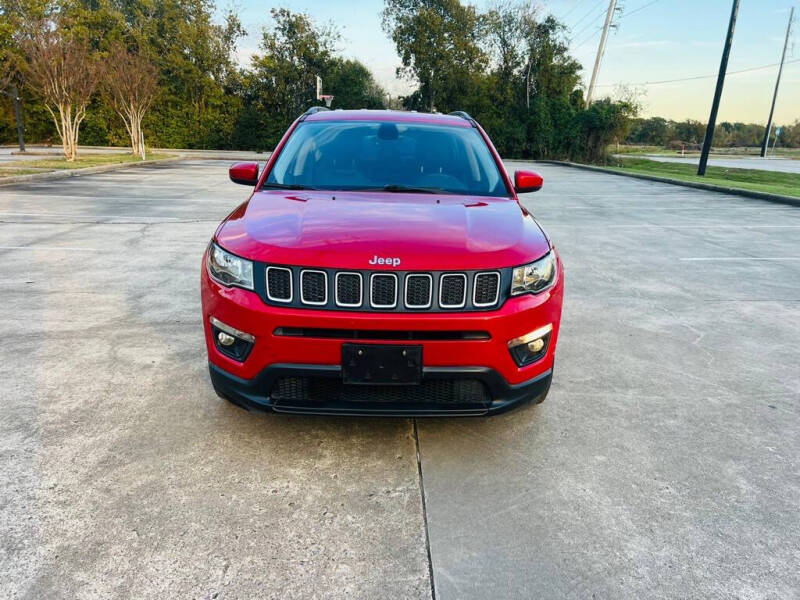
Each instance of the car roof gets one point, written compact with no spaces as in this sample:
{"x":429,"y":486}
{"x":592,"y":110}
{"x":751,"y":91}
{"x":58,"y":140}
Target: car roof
{"x":394,"y":116}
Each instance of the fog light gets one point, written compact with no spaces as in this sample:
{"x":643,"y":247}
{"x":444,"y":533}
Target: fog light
{"x":225,"y":339}
{"x":534,"y":347}
{"x":530,"y":347}
{"x":230,"y":341}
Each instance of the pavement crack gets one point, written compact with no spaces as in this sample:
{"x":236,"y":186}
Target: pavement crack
{"x":424,"y":511}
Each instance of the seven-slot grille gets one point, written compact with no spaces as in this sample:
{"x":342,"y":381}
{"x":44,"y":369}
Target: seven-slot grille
{"x":383,"y":290}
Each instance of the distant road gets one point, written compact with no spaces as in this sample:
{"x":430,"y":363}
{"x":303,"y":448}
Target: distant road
{"x":784,"y":165}
{"x":38,"y":152}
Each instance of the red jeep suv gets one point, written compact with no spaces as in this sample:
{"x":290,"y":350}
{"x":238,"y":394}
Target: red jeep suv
{"x":382,"y":265}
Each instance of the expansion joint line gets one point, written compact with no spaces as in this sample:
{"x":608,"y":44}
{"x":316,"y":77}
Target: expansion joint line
{"x":424,"y":511}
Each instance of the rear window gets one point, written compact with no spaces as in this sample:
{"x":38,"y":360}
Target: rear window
{"x":357,"y":155}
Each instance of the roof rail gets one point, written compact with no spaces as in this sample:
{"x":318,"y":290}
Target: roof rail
{"x":313,"y":110}
{"x":463,"y":115}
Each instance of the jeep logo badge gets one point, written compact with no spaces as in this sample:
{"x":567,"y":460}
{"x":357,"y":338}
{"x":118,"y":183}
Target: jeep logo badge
{"x":384,"y":260}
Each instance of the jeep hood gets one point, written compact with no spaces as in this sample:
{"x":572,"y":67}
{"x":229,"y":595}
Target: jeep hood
{"x":350,"y":229}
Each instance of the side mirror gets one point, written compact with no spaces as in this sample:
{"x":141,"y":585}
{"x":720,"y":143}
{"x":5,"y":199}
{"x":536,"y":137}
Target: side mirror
{"x":527,"y":181}
{"x":245,"y":173}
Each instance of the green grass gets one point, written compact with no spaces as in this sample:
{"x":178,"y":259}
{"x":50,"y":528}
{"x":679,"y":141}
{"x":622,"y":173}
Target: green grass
{"x":785,"y":184}
{"x":83,"y":161}
{"x":623,"y":149}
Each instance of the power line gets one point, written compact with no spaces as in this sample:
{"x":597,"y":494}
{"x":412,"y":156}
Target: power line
{"x":702,"y":76}
{"x":599,"y":27}
{"x":591,"y":10}
{"x":570,"y":11}
{"x":622,"y":16}
{"x":634,"y":11}
{"x":591,"y":22}
{"x":590,"y":38}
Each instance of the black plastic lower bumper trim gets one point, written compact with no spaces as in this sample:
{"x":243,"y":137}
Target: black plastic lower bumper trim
{"x":253,"y":394}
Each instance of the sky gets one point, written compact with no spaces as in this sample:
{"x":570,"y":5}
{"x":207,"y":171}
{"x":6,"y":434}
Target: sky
{"x":654,"y":41}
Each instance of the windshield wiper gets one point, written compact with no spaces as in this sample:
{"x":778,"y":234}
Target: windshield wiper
{"x":287,"y":186}
{"x":410,"y":189}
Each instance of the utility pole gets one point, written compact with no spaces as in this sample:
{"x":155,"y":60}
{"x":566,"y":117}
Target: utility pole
{"x":723,"y":67}
{"x":765,"y":143}
{"x":600,"y":49}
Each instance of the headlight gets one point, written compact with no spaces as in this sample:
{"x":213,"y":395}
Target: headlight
{"x":535,"y":277}
{"x":229,"y":269}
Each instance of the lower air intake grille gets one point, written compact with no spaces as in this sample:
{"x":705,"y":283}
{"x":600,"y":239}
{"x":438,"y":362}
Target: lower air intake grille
{"x":434,"y":391}
{"x":487,"y":286}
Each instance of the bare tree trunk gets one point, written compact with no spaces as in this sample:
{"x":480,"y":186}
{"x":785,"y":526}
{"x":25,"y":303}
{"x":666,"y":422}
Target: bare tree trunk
{"x":137,"y":120}
{"x":65,"y":73}
{"x":131,"y":83}
{"x":132,"y":119}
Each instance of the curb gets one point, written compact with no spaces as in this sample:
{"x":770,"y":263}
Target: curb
{"x":777,"y":198}
{"x":31,"y":177}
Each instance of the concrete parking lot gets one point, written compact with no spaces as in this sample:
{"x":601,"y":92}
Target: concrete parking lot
{"x":665,"y":462}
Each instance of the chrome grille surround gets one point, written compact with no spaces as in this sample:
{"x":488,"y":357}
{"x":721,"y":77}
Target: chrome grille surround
{"x":303,"y":274}
{"x":291,"y":286}
{"x":442,"y":290}
{"x":412,"y":276}
{"x":379,"y":276}
{"x":360,"y":289}
{"x":476,"y":287}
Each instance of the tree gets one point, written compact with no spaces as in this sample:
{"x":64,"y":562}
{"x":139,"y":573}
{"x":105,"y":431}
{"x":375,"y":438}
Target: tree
{"x":438,"y":44}
{"x":651,"y":131}
{"x":790,"y":135}
{"x":604,"y":121}
{"x":130,"y":81}
{"x":689,"y":131}
{"x":282,"y":81}
{"x":65,"y":75}
{"x":9,"y":59}
{"x":352,"y":85}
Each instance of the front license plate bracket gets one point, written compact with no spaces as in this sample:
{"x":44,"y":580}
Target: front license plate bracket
{"x":381,"y":364}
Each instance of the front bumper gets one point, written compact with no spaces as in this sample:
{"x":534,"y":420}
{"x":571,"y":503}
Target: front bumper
{"x":254,"y":394}
{"x":317,"y":354}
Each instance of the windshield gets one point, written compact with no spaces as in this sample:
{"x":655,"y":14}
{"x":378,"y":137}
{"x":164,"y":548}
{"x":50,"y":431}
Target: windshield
{"x":394,"y":157}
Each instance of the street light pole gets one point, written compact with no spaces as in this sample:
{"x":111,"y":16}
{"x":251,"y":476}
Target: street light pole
{"x":765,"y":143}
{"x":723,"y":67}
